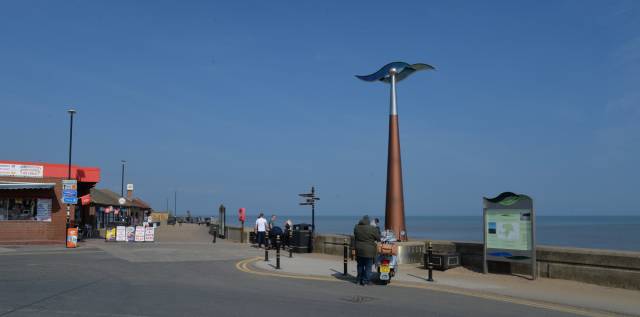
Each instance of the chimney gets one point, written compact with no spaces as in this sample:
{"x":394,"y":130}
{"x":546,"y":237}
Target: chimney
{"x":130,"y":191}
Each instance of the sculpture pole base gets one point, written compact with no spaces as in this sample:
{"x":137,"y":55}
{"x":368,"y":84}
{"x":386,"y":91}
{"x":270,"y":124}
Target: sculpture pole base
{"x":394,"y":211}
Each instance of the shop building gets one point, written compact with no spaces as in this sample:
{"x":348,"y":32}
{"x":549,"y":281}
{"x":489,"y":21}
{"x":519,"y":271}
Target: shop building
{"x":31,"y":208}
{"x":105,"y":209}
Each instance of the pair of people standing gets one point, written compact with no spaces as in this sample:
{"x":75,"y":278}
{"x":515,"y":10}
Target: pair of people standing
{"x":265,"y":230}
{"x":366,"y":239}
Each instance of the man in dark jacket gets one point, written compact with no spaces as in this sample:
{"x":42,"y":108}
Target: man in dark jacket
{"x":366,"y":237}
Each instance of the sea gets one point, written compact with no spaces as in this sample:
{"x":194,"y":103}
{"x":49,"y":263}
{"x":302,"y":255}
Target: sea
{"x":598,"y":232}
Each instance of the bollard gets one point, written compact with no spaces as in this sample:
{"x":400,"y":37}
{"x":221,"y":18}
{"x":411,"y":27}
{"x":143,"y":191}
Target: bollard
{"x":266,"y":254}
{"x":277,"y":252}
{"x":215,"y":235}
{"x":429,"y":263}
{"x":346,"y":254}
{"x":290,"y":241}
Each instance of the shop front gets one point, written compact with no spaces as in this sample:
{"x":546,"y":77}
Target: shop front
{"x":31,"y":208}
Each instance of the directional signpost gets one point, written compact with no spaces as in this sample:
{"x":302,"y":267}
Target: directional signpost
{"x":310,"y":200}
{"x":70,"y":191}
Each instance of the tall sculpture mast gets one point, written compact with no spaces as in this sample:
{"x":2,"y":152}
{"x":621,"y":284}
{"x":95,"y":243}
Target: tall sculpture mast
{"x":394,"y":210}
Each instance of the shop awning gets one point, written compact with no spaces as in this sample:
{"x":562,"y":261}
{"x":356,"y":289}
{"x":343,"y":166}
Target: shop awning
{"x":27,"y":185}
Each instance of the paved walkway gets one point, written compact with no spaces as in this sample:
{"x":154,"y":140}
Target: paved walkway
{"x":460,"y":280}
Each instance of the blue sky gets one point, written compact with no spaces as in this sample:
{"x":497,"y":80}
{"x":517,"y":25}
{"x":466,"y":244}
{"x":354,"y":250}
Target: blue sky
{"x":250,"y":103}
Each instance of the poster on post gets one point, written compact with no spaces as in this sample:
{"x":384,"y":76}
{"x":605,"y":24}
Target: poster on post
{"x":509,"y":230}
{"x":43,"y":209}
{"x":140,"y":234}
{"x":149,"y":234}
{"x":121,"y":233}
{"x":131,"y":234}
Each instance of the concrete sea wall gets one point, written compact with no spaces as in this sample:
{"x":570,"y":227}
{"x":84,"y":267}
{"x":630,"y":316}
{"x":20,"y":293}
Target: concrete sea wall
{"x":602,"y":267}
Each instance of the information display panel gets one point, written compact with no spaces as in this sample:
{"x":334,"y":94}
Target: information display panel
{"x":509,"y":230}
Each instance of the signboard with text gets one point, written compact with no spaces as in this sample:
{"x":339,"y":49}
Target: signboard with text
{"x":139,"y":234}
{"x":121,"y":233}
{"x":43,"y":209}
{"x":509,"y":230}
{"x":21,"y":170}
{"x":69,"y":191}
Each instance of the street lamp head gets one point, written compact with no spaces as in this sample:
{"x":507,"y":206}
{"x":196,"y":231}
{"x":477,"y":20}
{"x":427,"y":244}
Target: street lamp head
{"x":401,"y":70}
{"x":71,"y":111}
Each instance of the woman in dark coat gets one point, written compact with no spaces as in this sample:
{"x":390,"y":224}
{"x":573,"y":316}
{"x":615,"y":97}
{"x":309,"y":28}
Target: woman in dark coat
{"x":366,"y":237}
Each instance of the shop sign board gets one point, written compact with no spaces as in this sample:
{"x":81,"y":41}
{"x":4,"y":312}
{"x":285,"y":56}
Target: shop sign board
{"x":139,"y":234}
{"x":69,"y":191}
{"x":149,"y":234}
{"x":72,"y":237}
{"x":121,"y":233}
{"x":131,"y":233}
{"x":21,"y":170}
{"x":509,"y":230}
{"x":43,"y":209}
{"x":110,"y":234}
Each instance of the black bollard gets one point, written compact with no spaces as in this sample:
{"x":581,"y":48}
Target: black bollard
{"x":215,"y":235}
{"x":429,"y":263}
{"x":277,"y":252}
{"x":345,"y":255}
{"x":290,"y":241}
{"x":266,"y":254}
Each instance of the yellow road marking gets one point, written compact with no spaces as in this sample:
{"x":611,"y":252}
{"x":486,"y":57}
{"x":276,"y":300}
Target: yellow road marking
{"x":244,"y":267}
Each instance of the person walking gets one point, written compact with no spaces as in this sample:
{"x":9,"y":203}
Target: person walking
{"x":261,"y":230}
{"x":366,"y":237}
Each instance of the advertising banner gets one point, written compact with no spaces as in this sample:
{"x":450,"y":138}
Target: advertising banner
{"x":131,"y":234}
{"x":72,"y":237}
{"x":19,"y":170}
{"x":43,"y":209}
{"x":149,"y":234}
{"x":121,"y":233}
{"x":139,"y":234}
{"x":110,"y":234}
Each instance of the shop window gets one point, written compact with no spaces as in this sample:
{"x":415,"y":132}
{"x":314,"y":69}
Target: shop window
{"x":25,"y":209}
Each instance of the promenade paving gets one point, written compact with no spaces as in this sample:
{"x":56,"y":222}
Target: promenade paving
{"x":570,"y":293}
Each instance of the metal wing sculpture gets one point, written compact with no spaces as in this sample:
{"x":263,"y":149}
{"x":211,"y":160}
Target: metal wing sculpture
{"x":403,"y":70}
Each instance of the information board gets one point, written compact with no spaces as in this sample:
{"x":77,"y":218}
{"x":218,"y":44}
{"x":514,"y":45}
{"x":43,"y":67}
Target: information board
{"x":139,"y":234}
{"x":131,"y":234}
{"x":509,"y":230}
{"x":121,"y":233}
{"x":110,"y":234}
{"x":43,"y":209}
{"x":149,"y":234}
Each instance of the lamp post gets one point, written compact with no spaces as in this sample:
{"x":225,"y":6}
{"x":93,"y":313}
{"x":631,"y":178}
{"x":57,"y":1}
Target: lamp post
{"x":68,"y":216}
{"x":394,"y":209}
{"x":122,"y":178}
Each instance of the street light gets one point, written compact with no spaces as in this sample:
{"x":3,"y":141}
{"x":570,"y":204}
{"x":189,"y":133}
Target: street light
{"x":68,"y":218}
{"x":394,"y":210}
{"x":122,"y":179}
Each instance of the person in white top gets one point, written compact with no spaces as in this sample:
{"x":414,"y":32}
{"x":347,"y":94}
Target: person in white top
{"x":261,"y":230}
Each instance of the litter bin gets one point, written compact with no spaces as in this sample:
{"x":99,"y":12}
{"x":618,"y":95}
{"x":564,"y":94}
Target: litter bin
{"x":301,"y":238}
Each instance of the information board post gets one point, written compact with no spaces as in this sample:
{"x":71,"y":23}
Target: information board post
{"x":509,"y":230}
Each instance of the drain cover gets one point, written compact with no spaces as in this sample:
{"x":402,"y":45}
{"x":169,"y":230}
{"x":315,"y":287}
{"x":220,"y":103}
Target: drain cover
{"x":357,"y":299}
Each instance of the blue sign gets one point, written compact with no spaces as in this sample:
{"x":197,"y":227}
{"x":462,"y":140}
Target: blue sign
{"x":70,"y":191}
